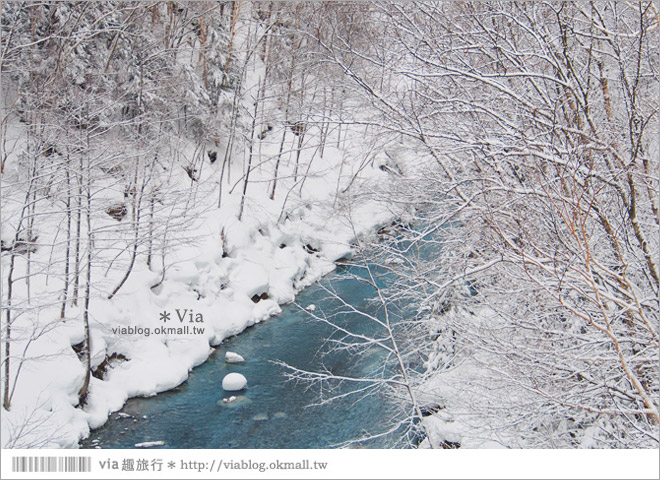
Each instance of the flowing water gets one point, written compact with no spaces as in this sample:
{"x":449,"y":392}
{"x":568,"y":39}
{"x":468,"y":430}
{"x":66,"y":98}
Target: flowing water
{"x":272,"y":412}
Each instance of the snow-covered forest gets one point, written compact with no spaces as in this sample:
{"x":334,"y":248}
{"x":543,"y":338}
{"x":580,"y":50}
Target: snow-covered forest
{"x":498,"y":159}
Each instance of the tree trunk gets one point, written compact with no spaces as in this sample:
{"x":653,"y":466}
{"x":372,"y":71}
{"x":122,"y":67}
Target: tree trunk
{"x":235,"y":10}
{"x":67,"y":253}
{"x":10,"y":285}
{"x":286,"y":119}
{"x":152,"y":201}
{"x":76,"y":253}
{"x":135,"y":217}
{"x":226,"y":162}
{"x":249,"y":166}
{"x":87,"y":346}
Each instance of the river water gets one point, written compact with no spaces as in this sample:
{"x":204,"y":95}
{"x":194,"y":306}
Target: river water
{"x":272,"y":412}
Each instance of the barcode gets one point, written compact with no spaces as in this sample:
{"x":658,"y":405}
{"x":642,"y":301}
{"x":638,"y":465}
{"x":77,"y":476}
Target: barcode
{"x":51,"y":464}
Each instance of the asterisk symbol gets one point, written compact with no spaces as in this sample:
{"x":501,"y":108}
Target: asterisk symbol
{"x":171,"y":465}
{"x":165,"y":316}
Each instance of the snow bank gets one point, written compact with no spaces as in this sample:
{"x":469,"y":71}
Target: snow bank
{"x":250,"y":278}
{"x":270,"y":269}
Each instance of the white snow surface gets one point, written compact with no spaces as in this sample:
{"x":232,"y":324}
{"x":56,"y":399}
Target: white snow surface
{"x":278,"y":248}
{"x":233,"y":382}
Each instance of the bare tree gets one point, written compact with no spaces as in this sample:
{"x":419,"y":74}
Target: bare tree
{"x":543,"y":172}
{"x":391,"y":335}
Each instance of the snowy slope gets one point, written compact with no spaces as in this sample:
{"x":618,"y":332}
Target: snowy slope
{"x":265,"y":256}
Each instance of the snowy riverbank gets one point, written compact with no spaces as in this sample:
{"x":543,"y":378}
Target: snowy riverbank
{"x":197,"y":196}
{"x":230,"y":276}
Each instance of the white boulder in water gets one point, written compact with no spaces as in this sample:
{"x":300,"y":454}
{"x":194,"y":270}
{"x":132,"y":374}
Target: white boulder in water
{"x":157,"y":443}
{"x":234,"y":382}
{"x":231,"y":357}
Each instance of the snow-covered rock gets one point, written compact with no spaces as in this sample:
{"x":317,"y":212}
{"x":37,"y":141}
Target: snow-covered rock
{"x":234,"y":382}
{"x":157,"y":443}
{"x":231,"y":357}
{"x":237,"y":402}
